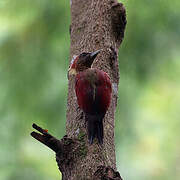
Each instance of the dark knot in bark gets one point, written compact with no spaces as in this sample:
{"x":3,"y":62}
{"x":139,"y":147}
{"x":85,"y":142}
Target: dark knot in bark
{"x":118,"y":18}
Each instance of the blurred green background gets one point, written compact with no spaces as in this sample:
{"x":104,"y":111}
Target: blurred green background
{"x":34,"y":54}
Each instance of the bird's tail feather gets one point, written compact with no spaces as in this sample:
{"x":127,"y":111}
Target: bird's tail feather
{"x":95,"y":127}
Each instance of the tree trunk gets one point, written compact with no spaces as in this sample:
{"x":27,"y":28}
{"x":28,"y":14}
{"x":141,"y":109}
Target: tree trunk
{"x":96,"y":24}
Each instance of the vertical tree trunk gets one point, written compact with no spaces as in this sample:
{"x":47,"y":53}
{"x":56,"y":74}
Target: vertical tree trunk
{"x":95,"y":24}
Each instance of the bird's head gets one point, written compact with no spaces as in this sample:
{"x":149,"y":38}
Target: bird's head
{"x":82,"y":62}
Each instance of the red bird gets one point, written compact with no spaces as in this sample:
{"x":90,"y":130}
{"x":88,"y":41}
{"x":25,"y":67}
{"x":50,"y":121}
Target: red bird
{"x":93,"y":90}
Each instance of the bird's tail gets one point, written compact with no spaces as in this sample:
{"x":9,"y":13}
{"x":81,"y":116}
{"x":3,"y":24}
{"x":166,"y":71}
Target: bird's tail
{"x":95,"y":127}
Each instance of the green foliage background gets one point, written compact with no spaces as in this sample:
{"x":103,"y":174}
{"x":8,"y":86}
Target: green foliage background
{"x":34,"y":55}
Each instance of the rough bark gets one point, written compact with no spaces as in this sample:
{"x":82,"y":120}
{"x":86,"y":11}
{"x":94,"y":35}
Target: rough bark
{"x":96,"y":24}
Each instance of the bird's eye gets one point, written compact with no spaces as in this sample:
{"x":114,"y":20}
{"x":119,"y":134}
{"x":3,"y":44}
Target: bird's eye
{"x":83,"y":54}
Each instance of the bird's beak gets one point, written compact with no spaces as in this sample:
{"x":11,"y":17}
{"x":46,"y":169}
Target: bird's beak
{"x":94,"y":54}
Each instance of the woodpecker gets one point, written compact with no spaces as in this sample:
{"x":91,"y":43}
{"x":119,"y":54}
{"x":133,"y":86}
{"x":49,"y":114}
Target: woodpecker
{"x":93,"y":90}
